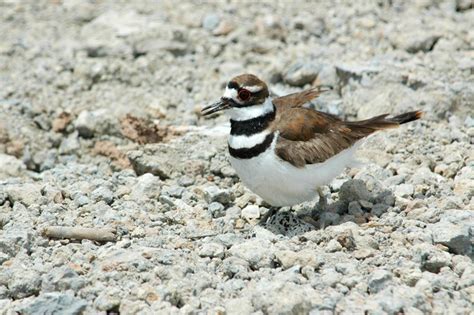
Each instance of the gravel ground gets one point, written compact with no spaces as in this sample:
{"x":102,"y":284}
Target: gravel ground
{"x":100,"y":128}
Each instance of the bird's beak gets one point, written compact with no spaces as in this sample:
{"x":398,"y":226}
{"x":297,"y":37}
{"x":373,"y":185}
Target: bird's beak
{"x":218,"y":106}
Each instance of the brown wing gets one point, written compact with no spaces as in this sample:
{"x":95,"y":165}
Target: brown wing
{"x":307,"y":136}
{"x":300,"y":98}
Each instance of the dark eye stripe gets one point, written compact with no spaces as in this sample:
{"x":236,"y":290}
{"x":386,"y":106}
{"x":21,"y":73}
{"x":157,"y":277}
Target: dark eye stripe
{"x":233,"y":85}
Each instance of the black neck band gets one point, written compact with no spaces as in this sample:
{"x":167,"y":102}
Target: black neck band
{"x":251,"y":126}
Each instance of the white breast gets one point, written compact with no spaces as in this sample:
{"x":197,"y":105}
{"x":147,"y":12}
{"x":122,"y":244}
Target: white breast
{"x":281,"y":184}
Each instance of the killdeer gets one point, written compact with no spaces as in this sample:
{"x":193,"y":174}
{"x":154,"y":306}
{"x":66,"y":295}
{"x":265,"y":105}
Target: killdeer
{"x":283,"y":151}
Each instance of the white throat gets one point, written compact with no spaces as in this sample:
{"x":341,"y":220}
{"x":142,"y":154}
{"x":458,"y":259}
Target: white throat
{"x":249,"y":112}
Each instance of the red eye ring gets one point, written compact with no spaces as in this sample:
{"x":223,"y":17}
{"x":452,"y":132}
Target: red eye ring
{"x":244,"y":94}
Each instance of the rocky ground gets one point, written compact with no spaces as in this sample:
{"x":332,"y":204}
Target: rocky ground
{"x":100,"y":128}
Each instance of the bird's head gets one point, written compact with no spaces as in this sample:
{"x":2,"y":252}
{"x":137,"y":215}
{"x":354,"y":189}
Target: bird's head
{"x":241,"y":92}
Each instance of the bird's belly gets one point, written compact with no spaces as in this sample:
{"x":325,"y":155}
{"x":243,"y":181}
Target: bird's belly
{"x":281,"y":184}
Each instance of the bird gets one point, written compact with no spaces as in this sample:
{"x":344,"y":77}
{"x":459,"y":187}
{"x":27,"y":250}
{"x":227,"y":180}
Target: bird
{"x":284,"y":151}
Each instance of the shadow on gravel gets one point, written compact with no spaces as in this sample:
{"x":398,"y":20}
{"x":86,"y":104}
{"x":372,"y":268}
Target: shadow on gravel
{"x":354,"y":204}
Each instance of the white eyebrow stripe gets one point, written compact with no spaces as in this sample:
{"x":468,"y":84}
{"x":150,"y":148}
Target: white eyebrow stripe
{"x":232,"y":93}
{"x":253,"y":88}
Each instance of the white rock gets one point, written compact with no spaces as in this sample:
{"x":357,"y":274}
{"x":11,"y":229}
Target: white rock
{"x":10,"y":166}
{"x":250,"y":212}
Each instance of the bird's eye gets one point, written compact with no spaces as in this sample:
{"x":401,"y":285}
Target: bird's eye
{"x":244,"y":94}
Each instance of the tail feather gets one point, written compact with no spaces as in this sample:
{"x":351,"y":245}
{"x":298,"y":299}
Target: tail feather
{"x":407,"y":117}
{"x":382,"y":122}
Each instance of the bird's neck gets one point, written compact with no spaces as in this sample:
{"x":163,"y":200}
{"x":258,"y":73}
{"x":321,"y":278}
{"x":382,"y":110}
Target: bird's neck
{"x":253,"y":111}
{"x":252,"y":119}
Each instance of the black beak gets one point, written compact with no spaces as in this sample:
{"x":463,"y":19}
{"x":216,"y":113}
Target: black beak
{"x":216,"y":107}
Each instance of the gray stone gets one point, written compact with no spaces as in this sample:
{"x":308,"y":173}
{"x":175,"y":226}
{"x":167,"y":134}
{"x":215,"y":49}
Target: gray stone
{"x":366,"y":204}
{"x":144,"y":163}
{"x":185,"y":181}
{"x":105,"y":35}
{"x":379,"y":279}
{"x":52,"y":193}
{"x":98,"y":122}
{"x":108,"y":300}
{"x":217,"y":209}
{"x":411,"y":276}
{"x":333,"y":246}
{"x":284,"y":297}
{"x":228,"y":171}
{"x":354,"y":208}
{"x":61,"y":279}
{"x":363,"y":253}
{"x":301,"y":73}
{"x":416,"y":41}
{"x":70,"y":145}
{"x":214,"y":193}
{"x":239,"y":305}
{"x":404,"y":190}
{"x":233,"y":212}
{"x":55,"y":303}
{"x":432,"y":258}
{"x":469,"y":121}
{"x":10,"y":166}
{"x":328,"y":218}
{"x":147,"y":186}
{"x":256,"y":252}
{"x":457,"y":237}
{"x":210,"y":21}
{"x":305,"y":257}
{"x":328,"y":76}
{"x":175,"y":191}
{"x":103,"y":194}
{"x":353,"y":190}
{"x":245,"y":199}
{"x":395,"y":180}
{"x":81,"y":200}
{"x":14,"y":239}
{"x":24,"y":283}
{"x":356,"y":72}
{"x":234,"y":266}
{"x":212,"y":250}
{"x":467,"y":278}
{"x":26,"y":193}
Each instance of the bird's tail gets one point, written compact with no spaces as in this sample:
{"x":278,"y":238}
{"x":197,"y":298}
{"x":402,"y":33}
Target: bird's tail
{"x":382,"y":122}
{"x":407,"y":117}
